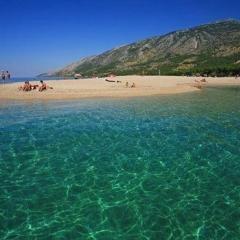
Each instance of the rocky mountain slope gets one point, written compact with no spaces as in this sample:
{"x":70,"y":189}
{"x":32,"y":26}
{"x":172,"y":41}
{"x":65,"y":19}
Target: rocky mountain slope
{"x":211,"y":48}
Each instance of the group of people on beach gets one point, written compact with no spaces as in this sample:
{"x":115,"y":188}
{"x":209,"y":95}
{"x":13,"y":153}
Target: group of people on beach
{"x":199,"y":83}
{"x":117,"y":81}
{"x":5,"y":75}
{"x":132,"y":86}
{"x":28,"y":86}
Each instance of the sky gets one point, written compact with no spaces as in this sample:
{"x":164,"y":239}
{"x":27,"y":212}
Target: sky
{"x":39,"y":36}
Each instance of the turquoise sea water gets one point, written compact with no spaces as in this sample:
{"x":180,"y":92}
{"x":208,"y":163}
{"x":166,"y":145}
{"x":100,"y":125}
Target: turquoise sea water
{"x":161,"y":167}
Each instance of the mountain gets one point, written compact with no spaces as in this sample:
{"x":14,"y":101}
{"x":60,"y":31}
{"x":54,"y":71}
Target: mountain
{"x":211,"y":49}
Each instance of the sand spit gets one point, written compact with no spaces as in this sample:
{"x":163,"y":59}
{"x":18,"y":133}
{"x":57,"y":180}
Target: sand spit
{"x":93,"y":88}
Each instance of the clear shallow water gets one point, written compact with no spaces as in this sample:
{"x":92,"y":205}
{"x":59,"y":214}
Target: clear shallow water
{"x":165,"y":167}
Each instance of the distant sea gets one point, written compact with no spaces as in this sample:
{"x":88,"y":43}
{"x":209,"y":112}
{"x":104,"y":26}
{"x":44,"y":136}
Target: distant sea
{"x":23,"y":79}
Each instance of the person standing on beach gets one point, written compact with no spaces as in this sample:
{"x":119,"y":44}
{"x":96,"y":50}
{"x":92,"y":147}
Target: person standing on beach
{"x":3,"y":76}
{"x":8,"y":75}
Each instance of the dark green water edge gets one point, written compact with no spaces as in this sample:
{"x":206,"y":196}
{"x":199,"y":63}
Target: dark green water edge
{"x":161,"y":167}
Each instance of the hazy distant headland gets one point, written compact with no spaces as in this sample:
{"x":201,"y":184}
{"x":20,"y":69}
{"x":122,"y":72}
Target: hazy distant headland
{"x":212,"y":49}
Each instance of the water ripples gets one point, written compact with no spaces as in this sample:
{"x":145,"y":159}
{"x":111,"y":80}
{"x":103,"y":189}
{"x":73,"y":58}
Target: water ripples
{"x":142,"y":168}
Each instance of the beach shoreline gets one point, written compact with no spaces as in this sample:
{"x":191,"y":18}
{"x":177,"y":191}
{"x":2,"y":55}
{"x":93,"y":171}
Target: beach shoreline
{"x":99,"y":88}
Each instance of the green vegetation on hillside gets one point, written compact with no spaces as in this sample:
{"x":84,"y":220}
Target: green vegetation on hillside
{"x":204,"y":64}
{"x":211,"y":49}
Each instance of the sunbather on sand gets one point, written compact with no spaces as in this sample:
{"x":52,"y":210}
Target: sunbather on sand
{"x":26,"y":87}
{"x":44,"y":86}
{"x":133,"y":85}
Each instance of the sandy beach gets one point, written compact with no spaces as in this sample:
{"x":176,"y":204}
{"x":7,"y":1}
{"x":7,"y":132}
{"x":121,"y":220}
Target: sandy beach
{"x":91,"y":88}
